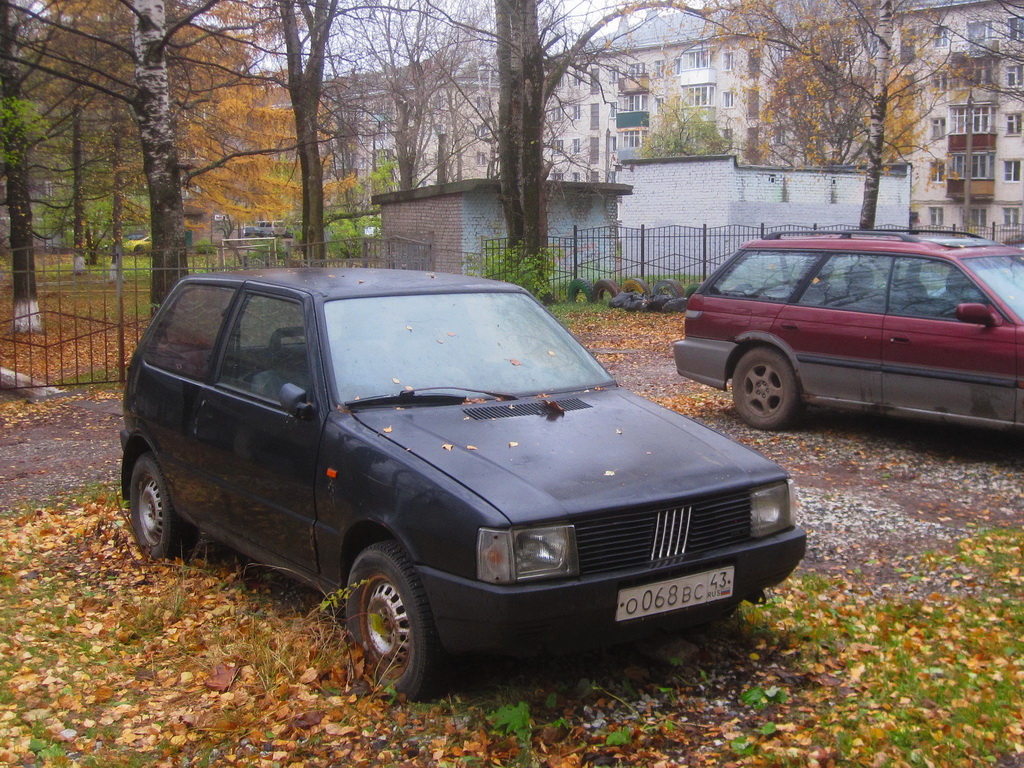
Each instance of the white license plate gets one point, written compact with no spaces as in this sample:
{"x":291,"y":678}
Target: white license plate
{"x":673,"y":594}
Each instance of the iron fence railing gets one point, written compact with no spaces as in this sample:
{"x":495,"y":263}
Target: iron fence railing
{"x":91,"y":309}
{"x":685,"y":254}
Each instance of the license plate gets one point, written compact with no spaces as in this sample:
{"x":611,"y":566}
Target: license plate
{"x":673,"y":594}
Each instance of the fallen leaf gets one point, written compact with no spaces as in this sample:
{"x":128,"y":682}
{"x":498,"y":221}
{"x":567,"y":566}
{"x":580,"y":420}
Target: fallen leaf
{"x":388,"y":429}
{"x":221,"y":678}
{"x":447,"y":446}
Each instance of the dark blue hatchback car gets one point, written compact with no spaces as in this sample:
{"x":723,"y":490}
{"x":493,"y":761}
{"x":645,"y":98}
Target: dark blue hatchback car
{"x":443,"y":445}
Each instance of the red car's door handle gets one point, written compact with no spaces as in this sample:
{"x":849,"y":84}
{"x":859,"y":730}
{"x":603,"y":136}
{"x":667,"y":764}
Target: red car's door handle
{"x":790,"y":327}
{"x":899,"y":340}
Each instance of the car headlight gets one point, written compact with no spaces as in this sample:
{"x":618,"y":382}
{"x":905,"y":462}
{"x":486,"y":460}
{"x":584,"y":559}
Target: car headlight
{"x":524,"y":554}
{"x":772,"y":509}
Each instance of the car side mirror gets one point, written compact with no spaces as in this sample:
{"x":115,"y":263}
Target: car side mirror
{"x":978,"y":314}
{"x":295,"y":401}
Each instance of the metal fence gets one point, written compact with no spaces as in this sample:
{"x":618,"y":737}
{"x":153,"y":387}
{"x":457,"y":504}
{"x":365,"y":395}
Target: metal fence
{"x":686,"y":254}
{"x":91,"y":309}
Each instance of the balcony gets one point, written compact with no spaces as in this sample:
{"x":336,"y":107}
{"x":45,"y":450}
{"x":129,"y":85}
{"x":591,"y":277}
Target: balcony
{"x":980,"y":142}
{"x":632,"y":120}
{"x":634,"y":84}
{"x":702,"y":76}
{"x":982,"y":190}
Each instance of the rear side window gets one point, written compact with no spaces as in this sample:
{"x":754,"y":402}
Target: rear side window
{"x":187,"y":330}
{"x":850,"y":281}
{"x":764,"y":275}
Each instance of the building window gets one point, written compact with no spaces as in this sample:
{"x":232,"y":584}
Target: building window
{"x":595,"y":80}
{"x":699,"y":96}
{"x":940,"y":81}
{"x":483,"y":103}
{"x":482,"y":132}
{"x":727,"y":135}
{"x":637,"y":69}
{"x":979,"y":217}
{"x":980,"y":30}
{"x":576,"y":176}
{"x":1014,"y":75}
{"x":595,"y":148}
{"x":1011,"y":170}
{"x":613,"y":76}
{"x":1013,"y":123}
{"x":727,"y":99}
{"x":613,"y":110}
{"x":938,"y":127}
{"x":728,"y":60}
{"x":940,"y":37}
{"x":1015,"y":28}
{"x":982,"y":166}
{"x":699,"y":59}
{"x":557,"y":176}
{"x":659,"y":68}
{"x":633,"y":102}
{"x":632,"y":139}
{"x":935,"y":215}
{"x":937,"y":171}
{"x":575,"y":112}
{"x":595,"y":117}
{"x":481,"y":158}
{"x":1011,"y":217}
{"x":577,"y":145}
{"x":981,"y":119}
{"x":558,"y":145}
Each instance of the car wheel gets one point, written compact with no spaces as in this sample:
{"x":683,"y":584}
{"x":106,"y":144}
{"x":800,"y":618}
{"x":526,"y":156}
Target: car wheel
{"x":156,"y":525}
{"x":605,"y":287}
{"x":580,"y":290}
{"x":636,"y":285}
{"x":388,"y":614}
{"x":765,"y":390}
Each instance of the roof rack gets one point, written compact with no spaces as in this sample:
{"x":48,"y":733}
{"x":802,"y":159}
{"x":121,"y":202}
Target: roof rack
{"x":908,"y":235}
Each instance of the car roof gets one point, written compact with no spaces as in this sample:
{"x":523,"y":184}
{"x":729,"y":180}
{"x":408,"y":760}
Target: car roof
{"x":922,"y":242}
{"x":345,"y":282}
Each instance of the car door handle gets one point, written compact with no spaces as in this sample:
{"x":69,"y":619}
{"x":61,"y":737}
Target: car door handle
{"x":790,"y":327}
{"x":899,"y":339}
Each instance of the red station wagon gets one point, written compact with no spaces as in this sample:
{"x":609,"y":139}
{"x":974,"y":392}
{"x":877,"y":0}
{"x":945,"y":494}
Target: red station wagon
{"x":914,"y":324}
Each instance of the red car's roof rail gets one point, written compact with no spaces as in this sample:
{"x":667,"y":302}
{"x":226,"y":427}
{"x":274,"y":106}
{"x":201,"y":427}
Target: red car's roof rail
{"x":940,"y":236}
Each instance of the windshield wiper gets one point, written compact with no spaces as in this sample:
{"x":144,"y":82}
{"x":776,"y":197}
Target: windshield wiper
{"x":426,"y":396}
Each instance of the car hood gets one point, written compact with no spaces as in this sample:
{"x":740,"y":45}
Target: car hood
{"x":608,"y":449}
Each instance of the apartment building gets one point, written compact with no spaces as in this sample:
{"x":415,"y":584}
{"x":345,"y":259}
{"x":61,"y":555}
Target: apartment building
{"x":967,"y":149}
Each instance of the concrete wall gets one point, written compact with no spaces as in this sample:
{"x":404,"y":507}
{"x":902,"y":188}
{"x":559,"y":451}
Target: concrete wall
{"x":718,"y":192}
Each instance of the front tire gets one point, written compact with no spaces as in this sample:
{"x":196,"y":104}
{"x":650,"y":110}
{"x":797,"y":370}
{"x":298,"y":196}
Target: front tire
{"x":388,"y":614}
{"x":157,"y":527}
{"x":765,"y":390}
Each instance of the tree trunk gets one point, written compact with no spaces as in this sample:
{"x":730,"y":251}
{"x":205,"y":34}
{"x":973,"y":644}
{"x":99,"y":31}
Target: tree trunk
{"x":159,"y":151}
{"x":77,"y":194}
{"x":305,"y":83}
{"x":879,"y":110}
{"x":15,"y":119}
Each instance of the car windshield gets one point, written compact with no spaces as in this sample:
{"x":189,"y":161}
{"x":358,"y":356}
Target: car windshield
{"x":1004,"y":275}
{"x":481,"y":342}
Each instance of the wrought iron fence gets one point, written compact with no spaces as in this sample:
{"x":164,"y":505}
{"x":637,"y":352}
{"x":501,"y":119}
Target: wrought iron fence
{"x":685,"y":254}
{"x":91,"y":309}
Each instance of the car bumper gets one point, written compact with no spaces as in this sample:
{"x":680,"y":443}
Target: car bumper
{"x":525,"y":619}
{"x":704,"y":360}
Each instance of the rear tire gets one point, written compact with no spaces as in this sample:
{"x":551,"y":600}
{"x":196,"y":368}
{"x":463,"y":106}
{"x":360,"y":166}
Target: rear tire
{"x":765,"y":390}
{"x":388,"y":614}
{"x":158,"y":529}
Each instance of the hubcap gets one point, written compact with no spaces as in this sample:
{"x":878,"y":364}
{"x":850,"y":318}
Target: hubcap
{"x":764,"y":389}
{"x":387,"y":626}
{"x":151,"y":512}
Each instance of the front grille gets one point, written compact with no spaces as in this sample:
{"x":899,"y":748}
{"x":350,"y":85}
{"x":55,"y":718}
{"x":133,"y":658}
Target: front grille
{"x":633,"y":537}
{"x":533,"y":408}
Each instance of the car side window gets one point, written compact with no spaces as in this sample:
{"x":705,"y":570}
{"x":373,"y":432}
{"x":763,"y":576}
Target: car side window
{"x":850,"y":281}
{"x":187,"y":331}
{"x":927,"y":288}
{"x":764,"y":275}
{"x":266,"y":348}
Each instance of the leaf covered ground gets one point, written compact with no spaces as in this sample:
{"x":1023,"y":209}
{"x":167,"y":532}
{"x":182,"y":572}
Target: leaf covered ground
{"x":109,"y":659}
